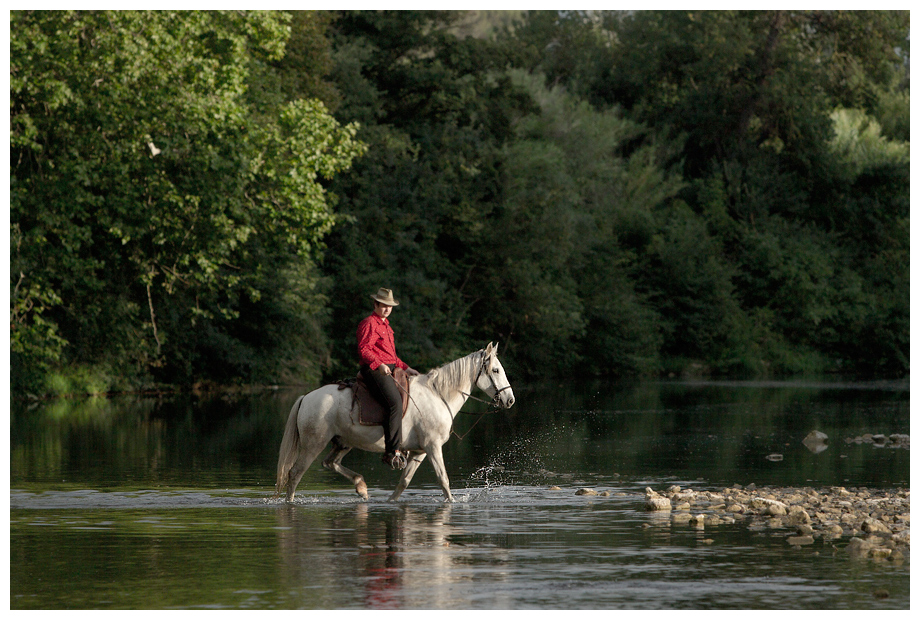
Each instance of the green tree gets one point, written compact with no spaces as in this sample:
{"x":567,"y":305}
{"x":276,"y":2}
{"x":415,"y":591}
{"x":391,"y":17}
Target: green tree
{"x":790,"y":199}
{"x":152,"y":206}
{"x":434,"y":110}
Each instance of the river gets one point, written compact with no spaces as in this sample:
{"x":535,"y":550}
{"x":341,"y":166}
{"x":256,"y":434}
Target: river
{"x":167,"y":502}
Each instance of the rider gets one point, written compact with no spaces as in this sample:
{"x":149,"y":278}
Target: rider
{"x":377,"y":350}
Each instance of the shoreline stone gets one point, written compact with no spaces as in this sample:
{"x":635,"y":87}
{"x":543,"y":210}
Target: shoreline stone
{"x":656,"y":502}
{"x":867,"y":523}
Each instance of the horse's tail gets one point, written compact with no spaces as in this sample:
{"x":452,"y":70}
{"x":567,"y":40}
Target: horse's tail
{"x":290,"y":446}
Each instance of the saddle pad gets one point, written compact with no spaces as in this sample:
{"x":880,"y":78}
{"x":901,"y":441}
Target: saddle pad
{"x":370,"y":411}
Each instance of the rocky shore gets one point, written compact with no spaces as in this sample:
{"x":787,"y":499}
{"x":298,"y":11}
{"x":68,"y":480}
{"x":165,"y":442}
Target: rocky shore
{"x":865,"y":523}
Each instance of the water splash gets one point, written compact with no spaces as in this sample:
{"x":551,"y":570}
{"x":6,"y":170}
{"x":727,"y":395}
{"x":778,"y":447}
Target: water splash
{"x":521,"y":462}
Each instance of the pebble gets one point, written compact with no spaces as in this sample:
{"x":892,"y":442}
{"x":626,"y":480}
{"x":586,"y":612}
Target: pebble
{"x":868,"y":523}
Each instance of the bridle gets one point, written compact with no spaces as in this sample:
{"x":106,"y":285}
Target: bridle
{"x":495,"y":404}
{"x":495,"y":397}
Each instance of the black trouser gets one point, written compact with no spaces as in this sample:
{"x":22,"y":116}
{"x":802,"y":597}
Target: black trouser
{"x":385,"y":390}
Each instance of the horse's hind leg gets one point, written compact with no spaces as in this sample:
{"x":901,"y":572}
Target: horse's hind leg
{"x":304,"y":459}
{"x":333,"y":462}
{"x":415,"y":459}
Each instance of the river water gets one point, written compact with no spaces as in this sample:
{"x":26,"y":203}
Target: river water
{"x":146,"y":502}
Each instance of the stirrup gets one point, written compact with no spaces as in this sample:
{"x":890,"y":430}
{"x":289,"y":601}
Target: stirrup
{"x":397,"y":460}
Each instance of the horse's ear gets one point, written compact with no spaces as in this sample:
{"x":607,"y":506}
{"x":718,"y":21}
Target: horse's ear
{"x":489,"y":350}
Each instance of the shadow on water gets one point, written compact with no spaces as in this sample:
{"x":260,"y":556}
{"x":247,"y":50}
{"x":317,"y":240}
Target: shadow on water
{"x":167,"y":502}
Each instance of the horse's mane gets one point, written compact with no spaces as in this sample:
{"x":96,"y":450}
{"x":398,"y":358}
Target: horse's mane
{"x":446,"y":378}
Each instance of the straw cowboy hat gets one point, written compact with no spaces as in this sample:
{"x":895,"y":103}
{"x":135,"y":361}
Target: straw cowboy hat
{"x":385,"y":296}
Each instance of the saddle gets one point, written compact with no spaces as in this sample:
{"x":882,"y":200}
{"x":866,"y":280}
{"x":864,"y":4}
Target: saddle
{"x":370,"y":411}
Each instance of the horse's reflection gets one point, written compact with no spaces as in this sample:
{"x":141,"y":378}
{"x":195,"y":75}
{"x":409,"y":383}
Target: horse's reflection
{"x":358,"y":554}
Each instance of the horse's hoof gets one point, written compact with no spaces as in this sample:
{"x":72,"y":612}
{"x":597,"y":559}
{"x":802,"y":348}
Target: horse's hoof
{"x":361,"y":489}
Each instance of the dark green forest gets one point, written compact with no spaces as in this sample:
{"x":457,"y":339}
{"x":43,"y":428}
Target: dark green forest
{"x":210,"y":198}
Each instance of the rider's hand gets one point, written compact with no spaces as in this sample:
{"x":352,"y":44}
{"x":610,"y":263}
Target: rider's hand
{"x":412,"y":372}
{"x":386,"y":369}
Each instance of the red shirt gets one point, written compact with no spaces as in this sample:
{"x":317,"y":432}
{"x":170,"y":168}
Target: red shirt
{"x":376,"y":345}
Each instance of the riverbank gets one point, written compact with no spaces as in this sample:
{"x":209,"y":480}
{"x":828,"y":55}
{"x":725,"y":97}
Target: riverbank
{"x":862,"y":522}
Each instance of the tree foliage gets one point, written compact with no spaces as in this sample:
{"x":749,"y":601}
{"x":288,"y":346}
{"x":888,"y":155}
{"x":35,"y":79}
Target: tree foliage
{"x":214,"y":195}
{"x":151,"y":207}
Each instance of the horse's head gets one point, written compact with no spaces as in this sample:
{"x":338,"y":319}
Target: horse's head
{"x":492,"y":379}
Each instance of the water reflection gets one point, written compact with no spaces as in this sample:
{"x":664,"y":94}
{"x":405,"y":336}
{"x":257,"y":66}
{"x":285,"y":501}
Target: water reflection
{"x":161,"y":502}
{"x":382,"y":550}
{"x":718,"y":432}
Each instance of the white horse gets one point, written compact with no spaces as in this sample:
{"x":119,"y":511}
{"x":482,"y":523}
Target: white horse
{"x":328,"y":414}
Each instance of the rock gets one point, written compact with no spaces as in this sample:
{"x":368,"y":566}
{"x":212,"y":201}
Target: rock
{"x":805,"y":530}
{"x":653,"y":501}
{"x":833,"y":532}
{"x":815,"y":436}
{"x":775,"y":457}
{"x":684,"y":506}
{"x":555,"y":488}
{"x":874,"y":526}
{"x":848,"y":519}
{"x":604,"y":494}
{"x":738,"y":508}
{"x":816,"y":442}
{"x":902,"y":538}
{"x":800,"y":540}
{"x":879,"y":553}
{"x":859,"y":547}
{"x":775,"y":510}
{"x":762,"y":503}
{"x":682,"y":517}
{"x":585,"y":492}
{"x":798,"y":515}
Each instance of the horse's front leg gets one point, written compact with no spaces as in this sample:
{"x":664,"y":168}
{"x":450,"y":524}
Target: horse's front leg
{"x":415,"y":459}
{"x":437,"y":461}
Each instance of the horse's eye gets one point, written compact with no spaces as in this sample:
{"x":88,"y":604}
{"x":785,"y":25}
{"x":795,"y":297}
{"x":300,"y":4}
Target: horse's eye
{"x":495,"y":370}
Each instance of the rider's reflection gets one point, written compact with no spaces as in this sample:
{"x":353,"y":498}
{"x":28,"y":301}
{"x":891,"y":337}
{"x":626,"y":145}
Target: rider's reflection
{"x":381,"y":559}
{"x":341,"y":555}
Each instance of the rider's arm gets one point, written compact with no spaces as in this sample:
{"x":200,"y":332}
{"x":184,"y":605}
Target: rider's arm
{"x":367,"y":339}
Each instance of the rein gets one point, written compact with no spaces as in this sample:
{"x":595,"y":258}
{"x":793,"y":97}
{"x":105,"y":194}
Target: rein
{"x":493,"y":404}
